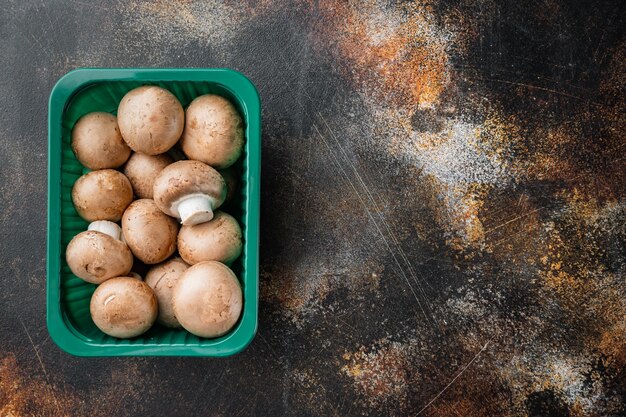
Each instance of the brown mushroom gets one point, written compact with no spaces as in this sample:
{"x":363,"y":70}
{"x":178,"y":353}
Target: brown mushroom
{"x":123,"y":307}
{"x":102,"y":195}
{"x":207,"y":299}
{"x":98,"y":253}
{"x":97,"y":142}
{"x":142,"y":169}
{"x":213,"y":131}
{"x":162,"y":278}
{"x":151,"y":119}
{"x":216,"y":240}
{"x":148,"y":232}
{"x":190,"y":191}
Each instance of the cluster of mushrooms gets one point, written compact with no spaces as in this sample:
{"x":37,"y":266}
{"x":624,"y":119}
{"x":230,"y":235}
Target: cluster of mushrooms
{"x":155,"y":188}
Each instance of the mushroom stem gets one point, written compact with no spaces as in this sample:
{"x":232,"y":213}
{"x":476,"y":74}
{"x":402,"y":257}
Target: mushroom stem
{"x":107,"y":227}
{"x":196,"y":209}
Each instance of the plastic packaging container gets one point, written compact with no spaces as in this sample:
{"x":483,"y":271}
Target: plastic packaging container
{"x":86,"y":90}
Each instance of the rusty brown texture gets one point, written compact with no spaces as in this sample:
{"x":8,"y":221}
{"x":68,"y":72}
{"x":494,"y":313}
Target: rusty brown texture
{"x":443,"y":215}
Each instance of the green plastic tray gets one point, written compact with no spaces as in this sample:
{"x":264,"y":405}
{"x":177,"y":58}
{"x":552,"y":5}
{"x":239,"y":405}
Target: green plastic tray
{"x":83,"y":91}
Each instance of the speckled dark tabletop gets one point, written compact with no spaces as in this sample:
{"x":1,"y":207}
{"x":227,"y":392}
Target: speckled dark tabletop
{"x":443,"y":214}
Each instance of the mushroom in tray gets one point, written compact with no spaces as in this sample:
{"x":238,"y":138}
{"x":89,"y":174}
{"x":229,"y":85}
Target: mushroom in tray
{"x":207,"y":299}
{"x":213,"y":131}
{"x":102,"y":195}
{"x":97,"y":142}
{"x":216,"y":240}
{"x":162,"y":278}
{"x":123,"y":307}
{"x":190,"y":191}
{"x":142,"y":169}
{"x":98,"y":253}
{"x":151,"y":119}
{"x":149,"y":233}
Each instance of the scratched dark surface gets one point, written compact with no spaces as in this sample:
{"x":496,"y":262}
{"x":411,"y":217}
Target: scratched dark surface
{"x":443,"y":213}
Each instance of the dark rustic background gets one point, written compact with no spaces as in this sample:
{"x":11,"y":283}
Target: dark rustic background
{"x":443,"y":217}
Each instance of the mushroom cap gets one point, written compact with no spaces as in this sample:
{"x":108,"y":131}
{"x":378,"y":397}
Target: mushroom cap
{"x":231,"y":178}
{"x":184,"y":178}
{"x":142,"y":169}
{"x":213,"y":131}
{"x":95,"y":257}
{"x":207,"y":299}
{"x":102,"y":195}
{"x":148,"y":232}
{"x":162,"y":278}
{"x":97,"y":142}
{"x":123,"y":307}
{"x":216,"y":240}
{"x":151,"y":119}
